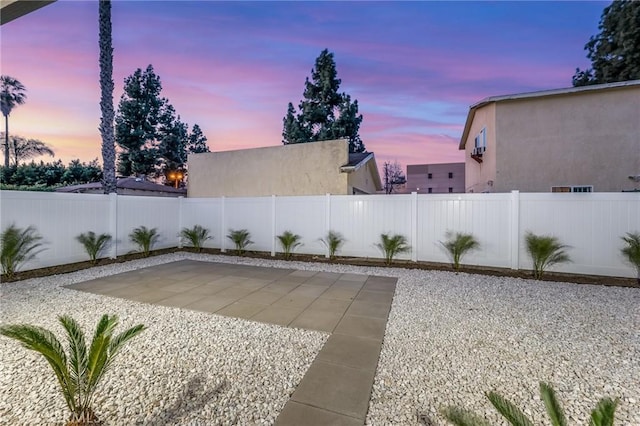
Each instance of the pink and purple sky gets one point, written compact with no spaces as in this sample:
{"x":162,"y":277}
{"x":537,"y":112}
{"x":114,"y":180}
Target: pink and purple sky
{"x":232,"y":67}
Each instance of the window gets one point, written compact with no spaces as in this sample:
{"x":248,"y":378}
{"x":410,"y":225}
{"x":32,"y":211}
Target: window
{"x":430,"y":190}
{"x":429,"y":175}
{"x":450,"y":175}
{"x":574,"y":188}
{"x":450,"y":189}
{"x":481,"y":139}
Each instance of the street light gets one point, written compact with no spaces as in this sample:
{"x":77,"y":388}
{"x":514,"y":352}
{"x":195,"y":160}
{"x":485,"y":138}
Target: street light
{"x":175,"y":176}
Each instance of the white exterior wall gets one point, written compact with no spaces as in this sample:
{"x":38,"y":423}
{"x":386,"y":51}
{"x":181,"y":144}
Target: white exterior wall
{"x":591,"y":223}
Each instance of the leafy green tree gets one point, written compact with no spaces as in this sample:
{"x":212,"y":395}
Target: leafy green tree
{"x":136,"y":122}
{"x":106,"y":98}
{"x":172,"y":138}
{"x":51,"y":174}
{"x":325,"y":113}
{"x":21,"y":148}
{"x":12,"y":94}
{"x":614,"y":52}
{"x":78,"y":173}
{"x":197,"y":142}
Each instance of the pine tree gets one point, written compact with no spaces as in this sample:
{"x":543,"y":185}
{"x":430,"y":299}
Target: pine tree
{"x":172,"y":141}
{"x":325,"y":113}
{"x":615,"y":51}
{"x":197,"y":141}
{"x":136,"y":122}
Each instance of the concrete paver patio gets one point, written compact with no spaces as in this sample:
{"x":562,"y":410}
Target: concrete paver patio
{"x":354,"y":308}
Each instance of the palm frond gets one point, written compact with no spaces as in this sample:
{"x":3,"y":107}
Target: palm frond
{"x":462,"y":417}
{"x":604,"y":413}
{"x":196,"y":236}
{"x":554,"y":409}
{"x":508,"y":410}
{"x":145,"y":238}
{"x":18,"y":246}
{"x":93,"y":244}
{"x":289,"y":242}
{"x":631,"y":251}
{"x":457,"y":245}
{"x":241,"y":239}
{"x":333,"y":241}
{"x":545,"y":251}
{"x":78,"y":360}
{"x":392,"y":245}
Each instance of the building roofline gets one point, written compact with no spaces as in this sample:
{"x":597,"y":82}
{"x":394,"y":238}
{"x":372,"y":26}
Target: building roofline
{"x":542,"y":93}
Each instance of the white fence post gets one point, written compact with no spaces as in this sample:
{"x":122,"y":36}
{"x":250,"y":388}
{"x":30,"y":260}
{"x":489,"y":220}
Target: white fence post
{"x":113,"y":224}
{"x":273,"y":225}
{"x":222,"y":225}
{"x":180,"y":224}
{"x":414,"y":226}
{"x":327,"y":221}
{"x":514,"y":229}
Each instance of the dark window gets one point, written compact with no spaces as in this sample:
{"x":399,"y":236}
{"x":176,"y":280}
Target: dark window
{"x":430,"y":190}
{"x":450,"y":189}
{"x":429,"y":176}
{"x":450,"y":175}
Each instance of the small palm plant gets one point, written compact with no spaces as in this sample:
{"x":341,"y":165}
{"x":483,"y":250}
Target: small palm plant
{"x":196,"y":236}
{"x":93,"y":244}
{"x":145,"y":238}
{"x":333,"y":241}
{"x":458,"y":244}
{"x":241,"y":239}
{"x":80,"y":370}
{"x":602,"y":415}
{"x":18,"y":246}
{"x":545,"y":251}
{"x":289,"y":242}
{"x":631,"y":251}
{"x":392,"y":245}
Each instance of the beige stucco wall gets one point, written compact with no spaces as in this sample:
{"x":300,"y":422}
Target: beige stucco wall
{"x":363,"y":179}
{"x":584,"y":138}
{"x":480,"y":177}
{"x":300,"y":169}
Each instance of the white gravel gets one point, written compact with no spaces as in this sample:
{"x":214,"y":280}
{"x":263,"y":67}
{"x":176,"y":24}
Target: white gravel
{"x":449,"y":339}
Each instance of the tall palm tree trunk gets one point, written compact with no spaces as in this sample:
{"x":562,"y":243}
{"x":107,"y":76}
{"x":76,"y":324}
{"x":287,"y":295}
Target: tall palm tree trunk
{"x":106,"y":99}
{"x":6,"y":141}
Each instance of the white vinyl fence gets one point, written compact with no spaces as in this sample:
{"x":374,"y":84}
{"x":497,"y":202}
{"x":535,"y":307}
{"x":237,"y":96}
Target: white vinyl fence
{"x":591,"y":223}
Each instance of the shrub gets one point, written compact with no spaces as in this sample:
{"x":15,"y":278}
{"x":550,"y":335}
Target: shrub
{"x":392,"y":246}
{"x":18,"y":246}
{"x":289,"y":242}
{"x":602,"y":415}
{"x":196,"y":236}
{"x":145,"y":238}
{"x":631,"y":251}
{"x":458,"y":244}
{"x":80,"y":370}
{"x":545,"y":251}
{"x":93,"y":244}
{"x":241,"y":239}
{"x":333,"y":241}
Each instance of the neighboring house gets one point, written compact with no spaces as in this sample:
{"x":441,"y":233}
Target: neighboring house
{"x":128,"y":186}
{"x":435,"y":178}
{"x":313,"y":168}
{"x":580,"y":139}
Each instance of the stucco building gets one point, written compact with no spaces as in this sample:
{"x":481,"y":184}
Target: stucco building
{"x":314,"y":168}
{"x":580,"y":139}
{"x":435,"y":178}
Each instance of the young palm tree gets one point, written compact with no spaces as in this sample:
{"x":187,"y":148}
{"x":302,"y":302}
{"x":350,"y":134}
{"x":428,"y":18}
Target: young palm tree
{"x":392,"y":246}
{"x":106,"y":98}
{"x":12,"y":94}
{"x":458,"y":244}
{"x":93,"y":244}
{"x":545,"y":251}
{"x":289,"y":242}
{"x":240,"y":238}
{"x":145,"y":238}
{"x":196,"y":236}
{"x":18,"y":246}
{"x":602,"y":415}
{"x":333,"y":241}
{"x":632,"y":250}
{"x":80,"y":370}
{"x":22,"y":148}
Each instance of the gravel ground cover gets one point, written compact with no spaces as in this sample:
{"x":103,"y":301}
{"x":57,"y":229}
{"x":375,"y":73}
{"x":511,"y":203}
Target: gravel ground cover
{"x":449,"y":339}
